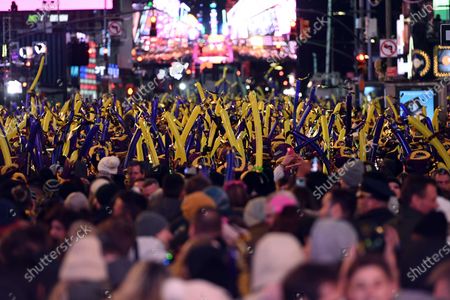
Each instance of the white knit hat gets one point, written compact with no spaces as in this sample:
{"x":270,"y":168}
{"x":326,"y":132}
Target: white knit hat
{"x":176,"y":289}
{"x":276,"y":254}
{"x":84,"y":260}
{"x":76,"y":201}
{"x":109,"y":165}
{"x":95,"y":185}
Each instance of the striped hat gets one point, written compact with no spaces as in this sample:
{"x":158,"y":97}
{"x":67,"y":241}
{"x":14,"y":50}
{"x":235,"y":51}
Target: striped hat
{"x":51,"y":186}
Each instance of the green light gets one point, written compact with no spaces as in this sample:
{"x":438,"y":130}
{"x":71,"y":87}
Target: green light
{"x":150,"y":4}
{"x":169,"y":256}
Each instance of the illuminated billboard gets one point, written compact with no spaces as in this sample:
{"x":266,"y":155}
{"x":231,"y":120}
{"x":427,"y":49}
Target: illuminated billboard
{"x":52,"y":5}
{"x":261,"y":18}
{"x":442,"y":61}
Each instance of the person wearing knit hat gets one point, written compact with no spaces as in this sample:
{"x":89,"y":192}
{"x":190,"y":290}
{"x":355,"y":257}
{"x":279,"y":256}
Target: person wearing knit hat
{"x":83,"y":273}
{"x":220,"y":197}
{"x":277,"y":202}
{"x":51,"y":189}
{"x":108,"y":166}
{"x":352,"y":174}
{"x":76,"y":202}
{"x":56,"y":169}
{"x":255,"y":218}
{"x":95,"y":186}
{"x":153,"y":237}
{"x":177,"y":289}
{"x":276,"y":254}
{"x":255,"y":211}
{"x":192,"y":203}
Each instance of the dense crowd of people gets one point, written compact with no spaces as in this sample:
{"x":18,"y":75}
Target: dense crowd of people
{"x":257,"y":197}
{"x":158,"y":234}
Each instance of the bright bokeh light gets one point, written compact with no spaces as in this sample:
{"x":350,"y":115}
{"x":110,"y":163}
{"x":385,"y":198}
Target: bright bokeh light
{"x":13,"y":87}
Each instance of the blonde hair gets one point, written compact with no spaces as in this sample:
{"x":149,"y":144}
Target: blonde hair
{"x":143,"y":282}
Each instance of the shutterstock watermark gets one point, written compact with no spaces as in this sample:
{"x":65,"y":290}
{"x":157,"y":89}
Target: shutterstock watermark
{"x":307,"y":34}
{"x":304,"y":36}
{"x":34,"y":19}
{"x":334,"y":178}
{"x":431,"y":92}
{"x":375,"y":3}
{"x":428,"y":262}
{"x":421,"y":14}
{"x":81,"y":233}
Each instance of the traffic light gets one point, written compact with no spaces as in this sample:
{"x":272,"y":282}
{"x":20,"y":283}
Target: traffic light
{"x":130,"y":89}
{"x":294,"y":33}
{"x":362,"y":59}
{"x":153,"y":31}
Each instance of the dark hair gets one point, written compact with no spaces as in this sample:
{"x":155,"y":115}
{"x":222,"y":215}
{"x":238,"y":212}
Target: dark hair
{"x":237,"y":193}
{"x":23,"y":247}
{"x":210,"y":261}
{"x":433,"y":225}
{"x":367,"y":261}
{"x":208,"y":221}
{"x":216,"y":178}
{"x":415,"y":185}
{"x":117,"y":236}
{"x":173,"y":185}
{"x":106,"y":193}
{"x":305,"y":281}
{"x":288,"y":220}
{"x":196,"y":183}
{"x":61,"y":214}
{"x":346,"y":200}
{"x":441,"y":171}
{"x":257,"y":183}
{"x":135,"y":163}
{"x":315,"y":180}
{"x":133,"y":203}
{"x":305,"y":198}
{"x":73,"y":185}
{"x":150,"y":181}
{"x":442,"y":272}
{"x":395,"y":180}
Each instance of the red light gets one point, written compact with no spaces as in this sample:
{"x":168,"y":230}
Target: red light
{"x":293,"y":23}
{"x":285,"y":83}
{"x":139,"y":58}
{"x":361,"y":57}
{"x":188,"y":71}
{"x":238,"y":73}
{"x":27,"y":64}
{"x":153,"y":19}
{"x":281,"y":73}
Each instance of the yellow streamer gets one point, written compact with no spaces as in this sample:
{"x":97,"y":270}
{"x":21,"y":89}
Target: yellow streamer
{"x":149,"y":141}
{"x":179,"y":150}
{"x":258,"y":130}
{"x":38,"y":75}
{"x":434,"y":141}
